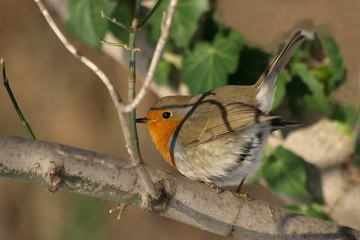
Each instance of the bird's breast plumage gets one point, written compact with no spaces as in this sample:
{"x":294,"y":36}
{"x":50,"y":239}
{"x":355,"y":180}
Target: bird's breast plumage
{"x":226,"y":161}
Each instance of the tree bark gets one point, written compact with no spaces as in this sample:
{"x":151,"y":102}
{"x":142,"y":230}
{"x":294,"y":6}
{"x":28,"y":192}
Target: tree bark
{"x":61,"y":167}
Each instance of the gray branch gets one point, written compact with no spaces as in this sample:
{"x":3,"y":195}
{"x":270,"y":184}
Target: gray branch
{"x":60,"y":167}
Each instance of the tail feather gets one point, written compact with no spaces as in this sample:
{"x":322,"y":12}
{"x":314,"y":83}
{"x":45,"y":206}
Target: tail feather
{"x":265,"y":85}
{"x":278,"y":123}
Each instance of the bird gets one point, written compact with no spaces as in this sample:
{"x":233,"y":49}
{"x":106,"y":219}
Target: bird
{"x":217,"y":137}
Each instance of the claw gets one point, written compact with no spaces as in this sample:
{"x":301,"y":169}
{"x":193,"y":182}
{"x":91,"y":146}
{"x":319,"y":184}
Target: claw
{"x":213,"y":186}
{"x":240,"y":195}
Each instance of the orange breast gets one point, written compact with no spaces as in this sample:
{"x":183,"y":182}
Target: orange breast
{"x":161,"y":131}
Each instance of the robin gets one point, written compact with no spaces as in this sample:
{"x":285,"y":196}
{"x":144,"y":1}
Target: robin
{"x":217,"y":137}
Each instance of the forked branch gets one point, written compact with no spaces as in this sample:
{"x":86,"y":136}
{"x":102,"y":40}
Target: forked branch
{"x":122,"y":108}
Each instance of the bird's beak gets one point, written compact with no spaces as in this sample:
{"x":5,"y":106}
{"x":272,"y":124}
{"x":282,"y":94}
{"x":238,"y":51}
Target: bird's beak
{"x":142,"y":120}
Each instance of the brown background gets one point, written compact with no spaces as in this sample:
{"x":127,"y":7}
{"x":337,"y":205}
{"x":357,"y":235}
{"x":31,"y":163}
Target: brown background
{"x":65,"y":102}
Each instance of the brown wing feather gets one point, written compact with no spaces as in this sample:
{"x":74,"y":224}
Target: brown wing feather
{"x":215,"y":122}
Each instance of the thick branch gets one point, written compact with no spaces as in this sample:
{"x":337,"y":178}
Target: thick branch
{"x":66,"y":168}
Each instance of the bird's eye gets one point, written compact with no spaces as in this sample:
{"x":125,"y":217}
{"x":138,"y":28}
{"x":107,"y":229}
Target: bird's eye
{"x":166,"y":115}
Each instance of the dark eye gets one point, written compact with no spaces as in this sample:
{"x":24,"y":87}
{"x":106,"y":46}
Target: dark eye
{"x":166,"y":115}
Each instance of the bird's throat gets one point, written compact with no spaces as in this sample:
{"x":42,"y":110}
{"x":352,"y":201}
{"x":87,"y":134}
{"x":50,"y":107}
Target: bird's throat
{"x":161,"y":133}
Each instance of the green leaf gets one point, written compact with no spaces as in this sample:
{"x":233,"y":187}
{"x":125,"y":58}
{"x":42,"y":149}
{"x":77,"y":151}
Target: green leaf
{"x":123,"y":13}
{"x":295,"y":208}
{"x":162,"y":72}
{"x":302,"y":53}
{"x":286,"y":174}
{"x":317,"y":100}
{"x":313,"y":210}
{"x":344,"y":127}
{"x":346,"y":113}
{"x":209,"y":64}
{"x":281,"y":82}
{"x":85,"y":22}
{"x":187,"y":15}
{"x":357,"y":150}
{"x":323,"y":73}
{"x":251,"y":65}
{"x":336,"y":61}
{"x":344,"y":116}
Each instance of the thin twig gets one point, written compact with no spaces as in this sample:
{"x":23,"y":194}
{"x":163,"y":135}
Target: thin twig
{"x":113,"y":20}
{"x":165,"y":30}
{"x":136,"y":160}
{"x":133,"y":102}
{"x":14,"y":102}
{"x":119,"y":106}
{"x":113,"y":92}
{"x":131,"y":86}
{"x":123,"y":45}
{"x":137,"y":9}
{"x":152,"y":11}
{"x":128,"y":119}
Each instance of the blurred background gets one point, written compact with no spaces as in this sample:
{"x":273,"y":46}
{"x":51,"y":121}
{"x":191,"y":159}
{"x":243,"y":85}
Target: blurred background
{"x":65,"y":103}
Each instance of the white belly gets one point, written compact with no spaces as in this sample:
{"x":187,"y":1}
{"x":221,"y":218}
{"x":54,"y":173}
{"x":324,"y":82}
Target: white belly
{"x":225,"y":161}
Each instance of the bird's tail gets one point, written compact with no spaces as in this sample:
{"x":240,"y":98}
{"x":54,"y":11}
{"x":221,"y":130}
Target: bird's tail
{"x":265,"y":85}
{"x":278,"y":123}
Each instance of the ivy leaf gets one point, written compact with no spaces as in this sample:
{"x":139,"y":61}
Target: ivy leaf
{"x":344,"y":116}
{"x":209,"y":64}
{"x":286,"y":173}
{"x":302,"y":53}
{"x":345,"y":128}
{"x":317,"y":99}
{"x":313,"y":210}
{"x":357,"y":150}
{"x":185,"y":21}
{"x":85,"y":22}
{"x":346,"y":113}
{"x":323,"y":73}
{"x":162,"y":72}
{"x":336,"y":61}
{"x":280,"y":92}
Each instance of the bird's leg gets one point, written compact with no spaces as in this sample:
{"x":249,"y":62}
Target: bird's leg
{"x":238,"y":192}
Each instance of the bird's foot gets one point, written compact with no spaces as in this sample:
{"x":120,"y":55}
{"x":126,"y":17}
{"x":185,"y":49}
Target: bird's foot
{"x":214,"y":186}
{"x":240,"y":195}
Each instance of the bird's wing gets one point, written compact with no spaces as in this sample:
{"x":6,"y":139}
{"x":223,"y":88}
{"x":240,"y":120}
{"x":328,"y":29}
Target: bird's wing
{"x":213,"y":122}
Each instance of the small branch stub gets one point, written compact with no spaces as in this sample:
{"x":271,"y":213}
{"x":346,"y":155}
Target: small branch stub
{"x":120,"y":208}
{"x":120,"y":45}
{"x":55,"y":179}
{"x":113,"y":20}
